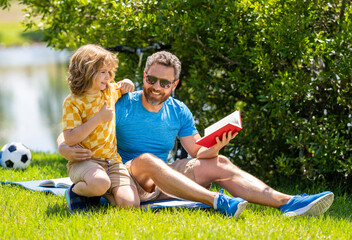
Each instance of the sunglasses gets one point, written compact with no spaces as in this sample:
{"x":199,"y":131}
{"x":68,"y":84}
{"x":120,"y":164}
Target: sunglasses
{"x":163,"y":82}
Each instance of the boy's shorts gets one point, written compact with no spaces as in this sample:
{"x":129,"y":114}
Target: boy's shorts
{"x":117,"y":171}
{"x":184,"y":166}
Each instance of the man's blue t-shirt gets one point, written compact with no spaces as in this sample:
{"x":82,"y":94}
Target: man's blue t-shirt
{"x":139,"y":131}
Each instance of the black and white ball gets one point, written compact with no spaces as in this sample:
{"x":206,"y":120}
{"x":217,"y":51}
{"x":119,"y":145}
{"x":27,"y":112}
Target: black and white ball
{"x":15,"y":156}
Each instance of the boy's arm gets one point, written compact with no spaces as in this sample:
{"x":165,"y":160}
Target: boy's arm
{"x":78,"y":134}
{"x":194,"y":150}
{"x":125,"y":86}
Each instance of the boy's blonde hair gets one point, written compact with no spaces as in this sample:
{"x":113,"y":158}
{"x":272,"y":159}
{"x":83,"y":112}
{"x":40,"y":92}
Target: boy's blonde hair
{"x":85,"y":64}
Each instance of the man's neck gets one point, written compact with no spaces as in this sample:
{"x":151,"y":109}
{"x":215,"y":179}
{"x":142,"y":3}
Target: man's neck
{"x":149,"y":107}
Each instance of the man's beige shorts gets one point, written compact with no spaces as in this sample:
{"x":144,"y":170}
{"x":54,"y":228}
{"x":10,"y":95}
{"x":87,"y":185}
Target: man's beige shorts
{"x":117,"y":171}
{"x":184,"y":166}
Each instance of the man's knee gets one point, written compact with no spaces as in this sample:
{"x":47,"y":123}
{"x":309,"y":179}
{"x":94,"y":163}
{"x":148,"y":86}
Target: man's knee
{"x":219,"y":160}
{"x":226,"y":164}
{"x":148,"y":161}
{"x":223,"y":162}
{"x":148,"y":157}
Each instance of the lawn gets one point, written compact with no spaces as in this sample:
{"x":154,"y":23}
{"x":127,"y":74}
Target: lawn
{"x":12,"y":29}
{"x":34,"y":215}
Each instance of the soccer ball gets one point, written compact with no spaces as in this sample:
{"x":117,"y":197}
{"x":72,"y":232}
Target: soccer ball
{"x":15,"y":156}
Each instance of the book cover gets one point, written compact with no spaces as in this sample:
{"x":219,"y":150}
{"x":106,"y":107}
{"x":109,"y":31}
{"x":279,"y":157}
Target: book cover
{"x":229,"y":123}
{"x":57,"y":183}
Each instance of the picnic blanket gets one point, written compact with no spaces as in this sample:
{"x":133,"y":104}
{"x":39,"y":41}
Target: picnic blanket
{"x":58,"y":187}
{"x":36,"y":186}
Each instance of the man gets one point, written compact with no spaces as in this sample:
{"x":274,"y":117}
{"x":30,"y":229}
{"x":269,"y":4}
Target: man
{"x":147,"y":123}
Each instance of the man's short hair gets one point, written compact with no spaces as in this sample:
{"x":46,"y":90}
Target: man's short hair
{"x":164,"y":58}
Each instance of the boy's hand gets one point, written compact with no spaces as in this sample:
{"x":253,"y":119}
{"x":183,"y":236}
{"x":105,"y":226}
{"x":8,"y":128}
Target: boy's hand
{"x":125,"y":86}
{"x":106,"y":114}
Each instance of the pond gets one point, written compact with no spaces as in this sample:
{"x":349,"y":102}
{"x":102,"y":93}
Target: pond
{"x":32,"y":91}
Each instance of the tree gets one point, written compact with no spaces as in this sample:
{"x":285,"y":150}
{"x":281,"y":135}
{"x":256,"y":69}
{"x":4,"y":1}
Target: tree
{"x":285,"y":64}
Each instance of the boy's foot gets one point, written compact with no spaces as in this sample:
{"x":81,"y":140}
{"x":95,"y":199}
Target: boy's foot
{"x":230,"y":206}
{"x":77,"y":202}
{"x":304,"y":204}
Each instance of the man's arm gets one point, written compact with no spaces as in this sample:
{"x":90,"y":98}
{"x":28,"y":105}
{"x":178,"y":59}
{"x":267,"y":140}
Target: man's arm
{"x":74,"y":153}
{"x":189,"y":144}
{"x":195,"y":150}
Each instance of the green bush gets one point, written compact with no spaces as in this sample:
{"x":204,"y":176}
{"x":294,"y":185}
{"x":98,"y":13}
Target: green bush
{"x":285,"y":64}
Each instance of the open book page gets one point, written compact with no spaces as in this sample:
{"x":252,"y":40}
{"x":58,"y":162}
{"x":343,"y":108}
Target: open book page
{"x":233,"y":118}
{"x":57,"y":183}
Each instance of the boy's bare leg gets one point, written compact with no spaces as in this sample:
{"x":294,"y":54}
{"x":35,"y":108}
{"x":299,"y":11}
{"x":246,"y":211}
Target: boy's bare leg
{"x":237,"y":182}
{"x":96,"y":183}
{"x":150,"y":171}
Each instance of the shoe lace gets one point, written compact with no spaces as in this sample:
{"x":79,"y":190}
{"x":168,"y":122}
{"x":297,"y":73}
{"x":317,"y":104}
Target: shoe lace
{"x":222,"y":201}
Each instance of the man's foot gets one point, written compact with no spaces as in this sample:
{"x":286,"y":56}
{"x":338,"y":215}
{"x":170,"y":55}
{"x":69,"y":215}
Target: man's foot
{"x":77,"y":202}
{"x":230,"y":206}
{"x":304,"y":204}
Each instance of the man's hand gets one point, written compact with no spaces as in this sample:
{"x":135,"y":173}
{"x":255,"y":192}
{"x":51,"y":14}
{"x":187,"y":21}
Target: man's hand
{"x":213,"y":151}
{"x":226,"y":138}
{"x":74,"y":153}
{"x":125,"y":86}
{"x":105,"y":114}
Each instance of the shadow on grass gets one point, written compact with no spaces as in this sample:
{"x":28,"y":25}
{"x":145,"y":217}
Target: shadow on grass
{"x":61,"y":210}
{"x":50,"y":163}
{"x":175,"y":210}
{"x":341,"y":207}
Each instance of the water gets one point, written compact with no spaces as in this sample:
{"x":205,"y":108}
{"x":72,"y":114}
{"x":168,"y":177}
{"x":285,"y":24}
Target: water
{"x":32,"y":90}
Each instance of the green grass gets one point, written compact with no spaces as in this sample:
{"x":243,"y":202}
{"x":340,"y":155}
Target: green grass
{"x":34,"y":215}
{"x":11,"y":34}
{"x":12,"y":30}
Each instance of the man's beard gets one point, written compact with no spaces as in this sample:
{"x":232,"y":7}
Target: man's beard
{"x":153,"y":101}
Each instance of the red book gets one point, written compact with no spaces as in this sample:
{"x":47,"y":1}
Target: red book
{"x":229,"y":123}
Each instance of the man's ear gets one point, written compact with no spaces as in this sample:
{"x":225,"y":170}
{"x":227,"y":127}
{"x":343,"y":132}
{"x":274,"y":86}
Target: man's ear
{"x":175,"y":85}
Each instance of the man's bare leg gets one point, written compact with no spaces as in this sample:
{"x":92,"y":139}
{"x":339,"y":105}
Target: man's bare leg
{"x":123,"y":196}
{"x":126,"y":196}
{"x":237,"y":182}
{"x":151,"y":171}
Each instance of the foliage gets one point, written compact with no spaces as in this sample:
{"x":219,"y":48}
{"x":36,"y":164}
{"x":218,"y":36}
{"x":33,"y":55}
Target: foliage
{"x":285,"y":64}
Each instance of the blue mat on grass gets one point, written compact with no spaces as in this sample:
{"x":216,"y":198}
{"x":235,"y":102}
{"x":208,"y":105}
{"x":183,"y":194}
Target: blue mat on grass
{"x":36,"y":186}
{"x":58,"y":187}
{"x":173,"y":203}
